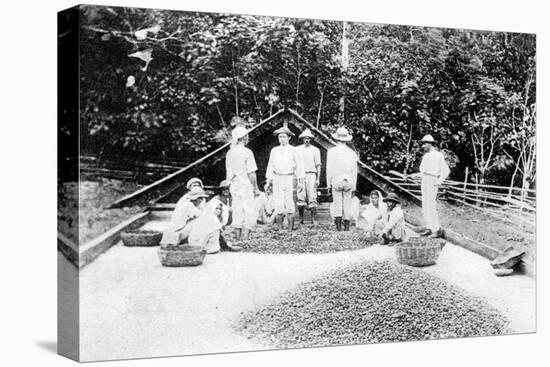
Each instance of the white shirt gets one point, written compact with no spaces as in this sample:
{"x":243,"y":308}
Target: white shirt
{"x":373,"y":213}
{"x":239,"y":162}
{"x":433,"y":164}
{"x":285,"y":160}
{"x":311,"y":156}
{"x":341,"y":160}
{"x":396,"y":221}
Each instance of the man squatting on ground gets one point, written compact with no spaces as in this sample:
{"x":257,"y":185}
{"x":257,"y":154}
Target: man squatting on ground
{"x":188,"y":208}
{"x":342,"y":177}
{"x":284,"y":164}
{"x":241,"y":168}
{"x":433,"y":171}
{"x":394,"y":230}
{"x":265,"y":207}
{"x":307,"y":194}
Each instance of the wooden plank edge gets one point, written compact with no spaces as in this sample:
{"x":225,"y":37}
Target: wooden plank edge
{"x":68,"y":248}
{"x":92,"y":249}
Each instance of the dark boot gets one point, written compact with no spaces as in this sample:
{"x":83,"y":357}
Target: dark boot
{"x":301,"y":213}
{"x":338,"y":222}
{"x":346,"y":225}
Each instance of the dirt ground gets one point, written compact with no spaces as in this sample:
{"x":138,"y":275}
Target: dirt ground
{"x":93,"y":219}
{"x":481,"y":227}
{"x":132,"y":307}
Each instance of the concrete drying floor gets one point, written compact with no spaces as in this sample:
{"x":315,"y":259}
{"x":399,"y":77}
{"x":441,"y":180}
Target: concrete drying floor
{"x":132,"y":307}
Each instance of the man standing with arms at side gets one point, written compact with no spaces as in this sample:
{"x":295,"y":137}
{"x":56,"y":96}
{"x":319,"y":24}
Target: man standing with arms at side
{"x":307,"y":194}
{"x":433,"y":171}
{"x":342,"y":177}
{"x":240,"y":166}
{"x":284,"y":164}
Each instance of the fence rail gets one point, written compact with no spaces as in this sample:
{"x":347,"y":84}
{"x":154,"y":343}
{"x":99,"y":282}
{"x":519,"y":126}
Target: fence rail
{"x":518,"y":211}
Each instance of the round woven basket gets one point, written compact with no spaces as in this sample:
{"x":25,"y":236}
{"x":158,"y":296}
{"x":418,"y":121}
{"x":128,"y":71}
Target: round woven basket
{"x":419,"y":251}
{"x":141,"y":238}
{"x":182,"y":255}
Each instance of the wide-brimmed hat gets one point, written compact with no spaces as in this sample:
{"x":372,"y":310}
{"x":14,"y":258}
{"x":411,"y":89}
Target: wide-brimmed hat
{"x":283,"y":130}
{"x":428,"y":139}
{"x":342,"y":134}
{"x":195,"y":193}
{"x":392,"y":197}
{"x":306,"y":134}
{"x":192,"y":181}
{"x":224,"y":184}
{"x":238,"y":133}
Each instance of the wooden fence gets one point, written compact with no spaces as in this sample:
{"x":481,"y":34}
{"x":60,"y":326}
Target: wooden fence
{"x":516,"y":207}
{"x":128,"y":169}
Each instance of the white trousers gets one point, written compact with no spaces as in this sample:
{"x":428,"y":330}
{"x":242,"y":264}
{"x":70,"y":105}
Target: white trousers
{"x":283,"y":195}
{"x":243,"y":204}
{"x":342,"y":204}
{"x":307,"y":194}
{"x":429,"y":203}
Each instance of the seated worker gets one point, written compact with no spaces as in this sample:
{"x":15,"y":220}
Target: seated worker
{"x":394,"y":230}
{"x":188,"y":208}
{"x":225,"y":197}
{"x":264,"y":205}
{"x":375,"y":214}
{"x":194,"y":182}
{"x":207,"y":231}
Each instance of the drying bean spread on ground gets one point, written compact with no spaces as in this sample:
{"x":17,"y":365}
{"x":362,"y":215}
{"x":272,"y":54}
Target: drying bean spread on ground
{"x":322,"y":238}
{"x":371,"y":302}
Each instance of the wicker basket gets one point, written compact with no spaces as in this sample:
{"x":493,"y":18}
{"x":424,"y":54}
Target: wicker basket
{"x":141,"y":238}
{"x":419,"y":251}
{"x":183,"y":255}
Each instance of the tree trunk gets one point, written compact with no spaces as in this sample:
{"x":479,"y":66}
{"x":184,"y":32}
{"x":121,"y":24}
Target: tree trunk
{"x":344,"y":61}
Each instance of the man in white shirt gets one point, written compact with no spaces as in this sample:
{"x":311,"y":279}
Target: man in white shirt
{"x":188,"y":208}
{"x":284,"y":164}
{"x":307,"y":196}
{"x":240,"y":166}
{"x":433,"y":171}
{"x":342,"y":177}
{"x":394,"y":230}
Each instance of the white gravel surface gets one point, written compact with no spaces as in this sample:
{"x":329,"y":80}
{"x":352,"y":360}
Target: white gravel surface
{"x":132,"y":307}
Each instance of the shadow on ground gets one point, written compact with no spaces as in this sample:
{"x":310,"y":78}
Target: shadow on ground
{"x":50,"y":346}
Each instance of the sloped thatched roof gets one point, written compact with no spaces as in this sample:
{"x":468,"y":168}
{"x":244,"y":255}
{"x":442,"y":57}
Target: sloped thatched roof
{"x":151,"y":193}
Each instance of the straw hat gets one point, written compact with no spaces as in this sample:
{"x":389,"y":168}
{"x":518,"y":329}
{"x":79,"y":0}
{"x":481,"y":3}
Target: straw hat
{"x":238,"y":133}
{"x":192,"y":181}
{"x":283,"y":130}
{"x":225,"y":184}
{"x":342,"y":134}
{"x":195,"y":193}
{"x":306,"y":134}
{"x":428,"y":139}
{"x":392,"y":197}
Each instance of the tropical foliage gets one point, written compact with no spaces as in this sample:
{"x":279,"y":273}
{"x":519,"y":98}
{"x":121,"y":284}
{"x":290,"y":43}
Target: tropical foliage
{"x":164,"y":83}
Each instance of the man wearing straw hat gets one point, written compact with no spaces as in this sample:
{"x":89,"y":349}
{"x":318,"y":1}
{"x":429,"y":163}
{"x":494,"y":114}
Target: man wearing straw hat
{"x":284,"y":164}
{"x":394,"y":229}
{"x":188,"y":208}
{"x":307,"y":194}
{"x":433,"y":171}
{"x":342,"y":177}
{"x":240,"y":166}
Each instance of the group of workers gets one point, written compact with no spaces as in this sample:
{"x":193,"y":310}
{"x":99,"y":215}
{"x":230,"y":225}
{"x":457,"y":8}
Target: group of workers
{"x":297,"y":169}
